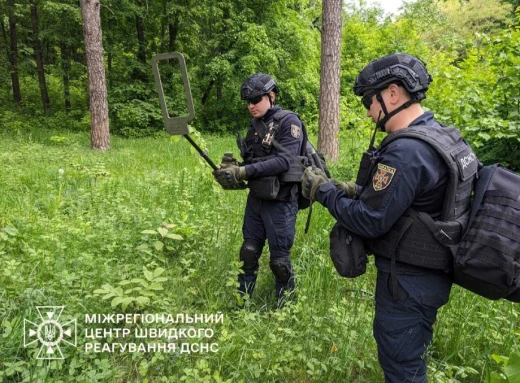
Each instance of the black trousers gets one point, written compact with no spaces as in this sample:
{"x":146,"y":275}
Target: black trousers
{"x":403,"y":327}
{"x":276,"y":222}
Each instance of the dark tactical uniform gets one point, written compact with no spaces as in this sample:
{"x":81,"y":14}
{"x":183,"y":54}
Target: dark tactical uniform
{"x":275,"y":219}
{"x":405,"y":180}
{"x":402,"y":327}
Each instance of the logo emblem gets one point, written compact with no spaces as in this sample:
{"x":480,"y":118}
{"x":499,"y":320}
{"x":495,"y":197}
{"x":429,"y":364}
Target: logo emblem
{"x":383,"y":177}
{"x":49,"y":332}
{"x":295,"y":131}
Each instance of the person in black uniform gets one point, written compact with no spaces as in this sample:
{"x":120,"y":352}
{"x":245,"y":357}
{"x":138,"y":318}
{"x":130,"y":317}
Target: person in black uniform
{"x":272,"y":204}
{"x":405,"y":174}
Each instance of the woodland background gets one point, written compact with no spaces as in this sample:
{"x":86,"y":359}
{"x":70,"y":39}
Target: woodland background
{"x":471,"y":48}
{"x":143,"y":228}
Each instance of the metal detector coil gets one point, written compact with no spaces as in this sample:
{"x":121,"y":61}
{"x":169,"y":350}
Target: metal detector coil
{"x":174,"y":125}
{"x":177,"y":125}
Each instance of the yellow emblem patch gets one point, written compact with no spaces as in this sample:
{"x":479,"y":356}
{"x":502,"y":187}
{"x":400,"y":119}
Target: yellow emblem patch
{"x":383,"y":177}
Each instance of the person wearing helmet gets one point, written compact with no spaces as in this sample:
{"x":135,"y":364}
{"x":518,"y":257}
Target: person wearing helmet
{"x":272,"y":203}
{"x":406,"y":186}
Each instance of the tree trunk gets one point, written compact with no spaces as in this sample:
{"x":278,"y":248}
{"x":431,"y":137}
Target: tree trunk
{"x":65,"y":66}
{"x":205,"y":96}
{"x":172,"y":34}
{"x":328,"y":124}
{"x":38,"y":54}
{"x":141,"y":52}
{"x":220,"y":97}
{"x":99,"y":132}
{"x":13,"y":55}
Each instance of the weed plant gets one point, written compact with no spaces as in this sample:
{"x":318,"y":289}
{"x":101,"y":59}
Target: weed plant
{"x":143,"y":228}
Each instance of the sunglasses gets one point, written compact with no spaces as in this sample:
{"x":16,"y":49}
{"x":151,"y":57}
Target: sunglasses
{"x":255,"y":100}
{"x":367,"y":99}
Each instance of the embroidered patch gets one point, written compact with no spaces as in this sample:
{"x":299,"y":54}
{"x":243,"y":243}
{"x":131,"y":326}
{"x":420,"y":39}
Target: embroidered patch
{"x":383,"y":177}
{"x":295,"y":131}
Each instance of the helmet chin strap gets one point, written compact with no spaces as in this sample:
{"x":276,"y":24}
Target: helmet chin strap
{"x":373,"y":139}
{"x":382,"y":122}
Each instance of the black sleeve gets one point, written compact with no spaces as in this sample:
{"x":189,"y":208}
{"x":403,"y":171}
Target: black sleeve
{"x":404,"y":170}
{"x":290,"y":137}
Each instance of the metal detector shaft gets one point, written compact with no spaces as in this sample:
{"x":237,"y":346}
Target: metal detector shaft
{"x":201,"y":152}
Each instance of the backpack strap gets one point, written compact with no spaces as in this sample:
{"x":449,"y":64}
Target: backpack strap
{"x":428,"y":222}
{"x":280,"y":115}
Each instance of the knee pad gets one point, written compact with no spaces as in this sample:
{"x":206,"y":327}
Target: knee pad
{"x":281,"y":271}
{"x":250,"y":253}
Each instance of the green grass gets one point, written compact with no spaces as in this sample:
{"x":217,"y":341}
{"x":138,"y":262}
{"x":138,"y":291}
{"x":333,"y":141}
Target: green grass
{"x":65,"y":236}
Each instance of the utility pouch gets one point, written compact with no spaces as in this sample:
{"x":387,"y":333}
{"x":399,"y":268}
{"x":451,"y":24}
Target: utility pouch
{"x":365,"y":167}
{"x":347,"y":252}
{"x":295,"y":172}
{"x":266,"y":188}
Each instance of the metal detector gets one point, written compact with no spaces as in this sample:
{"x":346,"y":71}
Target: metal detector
{"x":176,"y":126}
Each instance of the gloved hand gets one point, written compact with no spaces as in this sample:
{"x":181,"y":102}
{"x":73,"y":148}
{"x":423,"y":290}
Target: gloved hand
{"x":348,"y":187}
{"x":228,"y":160}
{"x":311,"y":181}
{"x":238,"y":172}
{"x":230,"y":178}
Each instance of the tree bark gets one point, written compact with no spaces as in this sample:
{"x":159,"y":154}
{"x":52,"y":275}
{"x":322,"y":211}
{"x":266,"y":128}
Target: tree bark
{"x":141,"y":51}
{"x":65,"y":66}
{"x":13,"y":54}
{"x":172,"y":34}
{"x":99,"y":132}
{"x":38,"y":55}
{"x":205,"y":96}
{"x":328,"y":124}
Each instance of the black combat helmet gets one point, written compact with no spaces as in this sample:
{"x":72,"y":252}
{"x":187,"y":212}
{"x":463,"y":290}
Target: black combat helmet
{"x":400,"y":68}
{"x":258,"y":85}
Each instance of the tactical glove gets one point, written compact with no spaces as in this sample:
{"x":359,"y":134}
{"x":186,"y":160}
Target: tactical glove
{"x":230,"y":178}
{"x":311,"y":181}
{"x":239,"y":172}
{"x":348,"y":187}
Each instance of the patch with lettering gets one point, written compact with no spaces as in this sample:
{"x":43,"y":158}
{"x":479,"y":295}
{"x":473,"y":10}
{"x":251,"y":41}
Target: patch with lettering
{"x":295,"y":131}
{"x":383,"y":177}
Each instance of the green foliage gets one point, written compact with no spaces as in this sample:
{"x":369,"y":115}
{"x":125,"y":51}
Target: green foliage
{"x":481,"y":96}
{"x":468,"y":47}
{"x":138,"y":292}
{"x":510,"y":368}
{"x":145,"y":229}
{"x":136,"y":119}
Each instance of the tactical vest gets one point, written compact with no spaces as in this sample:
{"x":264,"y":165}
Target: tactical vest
{"x":254,"y":149}
{"x":251,"y":149}
{"x":412,"y":239}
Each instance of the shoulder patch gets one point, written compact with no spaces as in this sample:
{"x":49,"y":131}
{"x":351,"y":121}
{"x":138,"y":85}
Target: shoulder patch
{"x":295,"y":131}
{"x":383,"y":177}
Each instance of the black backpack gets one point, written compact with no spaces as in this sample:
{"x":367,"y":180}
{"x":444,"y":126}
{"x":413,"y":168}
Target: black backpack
{"x":487,"y":260}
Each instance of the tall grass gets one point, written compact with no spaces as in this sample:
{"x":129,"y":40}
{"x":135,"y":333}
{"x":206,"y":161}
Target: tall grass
{"x":74,"y":221}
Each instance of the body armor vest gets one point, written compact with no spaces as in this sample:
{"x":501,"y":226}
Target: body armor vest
{"x":415,"y":238}
{"x":257,"y":148}
{"x":253,"y":150}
